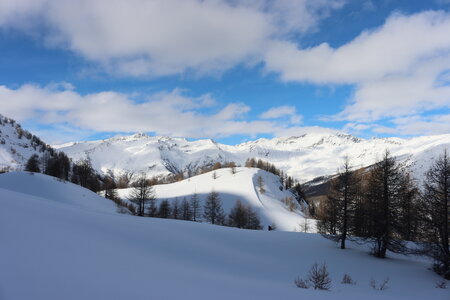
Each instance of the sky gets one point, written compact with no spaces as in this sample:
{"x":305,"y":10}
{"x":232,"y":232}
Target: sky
{"x":231,"y":70}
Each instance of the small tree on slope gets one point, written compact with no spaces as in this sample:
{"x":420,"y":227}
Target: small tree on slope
{"x":213,"y":211}
{"x":33,"y":164}
{"x":141,"y":194}
{"x":194,"y":202}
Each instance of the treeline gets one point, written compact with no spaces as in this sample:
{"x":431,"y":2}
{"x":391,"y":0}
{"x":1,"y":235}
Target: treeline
{"x":385,"y":207}
{"x":59,"y":165}
{"x":51,"y":162}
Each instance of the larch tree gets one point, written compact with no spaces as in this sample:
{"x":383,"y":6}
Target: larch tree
{"x":339,"y":211}
{"x":186,"y":211}
{"x":238,"y":216}
{"x":385,"y":183}
{"x":195,"y":207}
{"x":165,"y":209}
{"x":435,"y":206}
{"x":141,"y":194}
{"x":176,"y":211}
{"x":212,"y":210}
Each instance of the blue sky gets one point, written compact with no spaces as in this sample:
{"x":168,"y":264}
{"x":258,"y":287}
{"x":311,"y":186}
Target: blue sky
{"x":229,"y":70}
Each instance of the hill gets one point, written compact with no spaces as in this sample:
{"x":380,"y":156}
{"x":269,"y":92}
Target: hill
{"x":17,"y":145}
{"x":58,"y":244}
{"x":243,"y":186}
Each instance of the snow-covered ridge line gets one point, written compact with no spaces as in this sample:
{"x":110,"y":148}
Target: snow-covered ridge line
{"x":305,"y":157}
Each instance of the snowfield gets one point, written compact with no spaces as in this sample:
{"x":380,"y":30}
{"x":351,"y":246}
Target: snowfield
{"x":240,"y":186}
{"x":60,"y":241}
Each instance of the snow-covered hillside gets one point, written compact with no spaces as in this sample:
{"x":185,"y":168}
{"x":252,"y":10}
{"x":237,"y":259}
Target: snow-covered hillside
{"x":17,"y":145}
{"x":304,"y":157}
{"x":243,"y":186}
{"x":66,"y":243}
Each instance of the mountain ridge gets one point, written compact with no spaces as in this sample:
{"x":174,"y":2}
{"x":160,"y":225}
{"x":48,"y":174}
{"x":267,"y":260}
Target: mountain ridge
{"x":305,"y":157}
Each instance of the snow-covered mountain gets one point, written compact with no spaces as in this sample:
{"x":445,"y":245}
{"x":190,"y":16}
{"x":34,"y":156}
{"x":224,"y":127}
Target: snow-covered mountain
{"x":17,"y":145}
{"x":61,"y":241}
{"x":305,"y":157}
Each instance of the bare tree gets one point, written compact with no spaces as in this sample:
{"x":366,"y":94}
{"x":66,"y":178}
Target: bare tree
{"x":195,"y":206}
{"x":141,"y":194}
{"x":238,"y":216}
{"x":186,"y":211}
{"x":176,"y":209}
{"x":319,"y":277}
{"x":261,"y":185}
{"x":213,"y":211}
{"x":435,"y":206}
{"x":339,"y":210}
{"x":164,"y":210}
{"x":384,"y":190}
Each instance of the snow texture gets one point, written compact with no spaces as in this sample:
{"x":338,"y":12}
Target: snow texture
{"x":67,"y":243}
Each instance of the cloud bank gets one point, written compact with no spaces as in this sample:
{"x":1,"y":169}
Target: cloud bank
{"x":399,"y":70}
{"x":166,"y":113}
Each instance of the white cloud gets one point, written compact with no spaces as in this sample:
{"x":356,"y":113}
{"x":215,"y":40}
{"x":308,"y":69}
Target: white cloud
{"x":418,"y":125}
{"x":397,"y":70}
{"x":166,"y":113}
{"x":164,"y":37}
{"x":394,"y":48}
{"x":282,"y":111}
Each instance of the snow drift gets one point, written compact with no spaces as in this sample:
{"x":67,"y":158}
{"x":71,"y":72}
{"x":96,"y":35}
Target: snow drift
{"x":60,"y":244}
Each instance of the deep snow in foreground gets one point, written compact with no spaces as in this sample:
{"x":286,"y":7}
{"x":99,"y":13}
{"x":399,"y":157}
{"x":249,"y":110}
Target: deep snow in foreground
{"x":59,"y":241}
{"x":243,"y":186}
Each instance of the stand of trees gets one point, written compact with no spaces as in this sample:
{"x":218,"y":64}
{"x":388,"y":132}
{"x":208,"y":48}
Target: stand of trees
{"x":58,"y":164}
{"x":384,"y":206}
{"x":242,"y":216}
{"x":434,"y":208}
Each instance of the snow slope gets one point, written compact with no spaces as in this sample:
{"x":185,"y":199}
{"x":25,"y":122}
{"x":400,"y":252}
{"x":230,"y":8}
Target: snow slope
{"x":17,"y":145}
{"x":55,"y":247}
{"x":304,"y":157}
{"x":55,"y":190}
{"x":243,"y":186}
